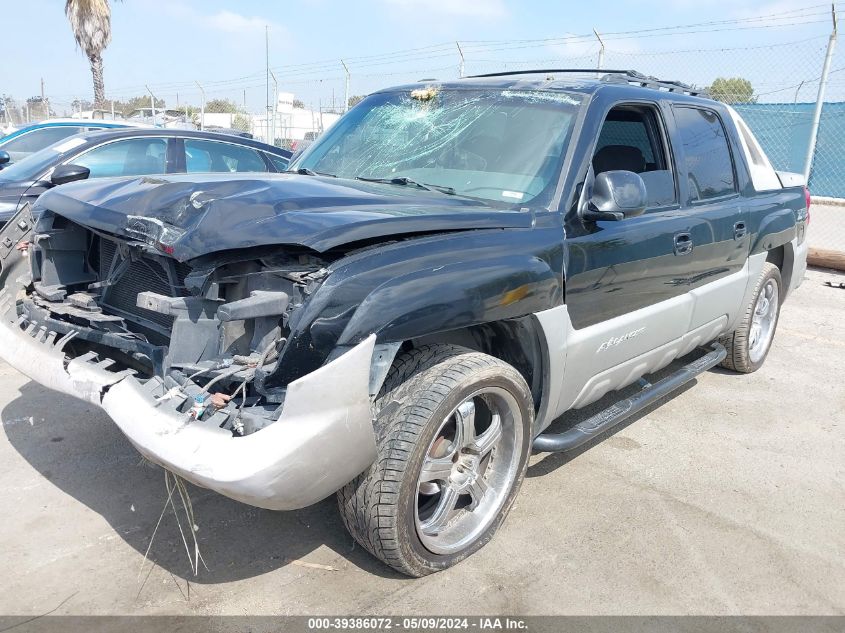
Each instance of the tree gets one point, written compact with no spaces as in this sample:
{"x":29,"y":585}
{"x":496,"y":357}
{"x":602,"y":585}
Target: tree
{"x":81,"y":105}
{"x":221,"y":105}
{"x":241,"y":121}
{"x":355,"y":100}
{"x":38,"y":108}
{"x":90,"y":21}
{"x":134,"y":103}
{"x":732,"y":90}
{"x":10,"y":110}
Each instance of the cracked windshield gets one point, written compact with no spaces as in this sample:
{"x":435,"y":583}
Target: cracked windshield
{"x":502,"y":146}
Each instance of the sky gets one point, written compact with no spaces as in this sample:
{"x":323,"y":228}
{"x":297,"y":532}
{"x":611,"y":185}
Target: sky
{"x":169,"y":45}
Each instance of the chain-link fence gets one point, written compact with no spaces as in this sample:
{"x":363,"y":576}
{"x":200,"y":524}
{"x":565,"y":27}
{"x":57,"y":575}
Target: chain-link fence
{"x":773,"y":85}
{"x":779,"y":108}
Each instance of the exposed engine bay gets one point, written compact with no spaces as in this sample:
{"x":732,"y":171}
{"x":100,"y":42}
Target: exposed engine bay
{"x":212,"y":331}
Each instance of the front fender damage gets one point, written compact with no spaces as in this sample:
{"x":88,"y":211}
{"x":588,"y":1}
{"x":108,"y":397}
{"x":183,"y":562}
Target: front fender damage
{"x":323,"y":438}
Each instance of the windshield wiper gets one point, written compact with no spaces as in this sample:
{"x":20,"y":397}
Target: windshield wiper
{"x":404,"y":180}
{"x":304,"y":171}
{"x":399,"y":180}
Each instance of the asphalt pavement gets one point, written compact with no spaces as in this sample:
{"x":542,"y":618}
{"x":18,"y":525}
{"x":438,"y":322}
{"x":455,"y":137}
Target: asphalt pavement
{"x":727,"y":499}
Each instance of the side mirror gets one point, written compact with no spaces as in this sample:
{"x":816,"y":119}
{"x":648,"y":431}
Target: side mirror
{"x":69,"y":173}
{"x":617,"y":195}
{"x":4,"y":158}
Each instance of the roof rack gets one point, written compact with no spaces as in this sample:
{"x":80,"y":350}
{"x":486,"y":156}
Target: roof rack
{"x":608,"y":76}
{"x":639,"y":79}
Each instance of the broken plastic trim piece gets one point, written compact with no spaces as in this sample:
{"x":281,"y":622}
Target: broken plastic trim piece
{"x":323,"y":438}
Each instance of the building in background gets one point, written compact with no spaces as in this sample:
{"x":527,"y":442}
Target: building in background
{"x":293,"y":125}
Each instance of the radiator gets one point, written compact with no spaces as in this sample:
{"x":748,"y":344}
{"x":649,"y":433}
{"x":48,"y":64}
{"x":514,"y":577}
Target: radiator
{"x":145,"y":274}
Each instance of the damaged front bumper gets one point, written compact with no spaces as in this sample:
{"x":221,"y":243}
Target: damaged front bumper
{"x":323,"y":439}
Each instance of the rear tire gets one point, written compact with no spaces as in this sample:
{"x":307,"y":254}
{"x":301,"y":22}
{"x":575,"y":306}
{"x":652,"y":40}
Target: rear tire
{"x":749,"y":344}
{"x":453,"y":432}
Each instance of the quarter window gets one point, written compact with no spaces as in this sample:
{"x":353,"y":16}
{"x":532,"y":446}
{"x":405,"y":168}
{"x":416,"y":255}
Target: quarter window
{"x":39,"y":139}
{"x":211,"y":156}
{"x":279,"y":162}
{"x":709,"y":164}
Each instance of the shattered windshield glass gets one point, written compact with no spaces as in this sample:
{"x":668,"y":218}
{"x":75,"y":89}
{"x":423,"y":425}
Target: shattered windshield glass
{"x":505,"y":146}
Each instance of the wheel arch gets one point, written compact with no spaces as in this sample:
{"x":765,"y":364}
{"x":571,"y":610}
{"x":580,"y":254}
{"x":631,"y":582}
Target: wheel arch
{"x":783,"y":257}
{"x":518,"y":342}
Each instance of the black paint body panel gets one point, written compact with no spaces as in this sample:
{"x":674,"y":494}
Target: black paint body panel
{"x":221,"y":212}
{"x":404,"y":263}
{"x":425,"y":286}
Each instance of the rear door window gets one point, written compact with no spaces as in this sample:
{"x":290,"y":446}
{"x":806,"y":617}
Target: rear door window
{"x":708,"y":160}
{"x":214,"y":156}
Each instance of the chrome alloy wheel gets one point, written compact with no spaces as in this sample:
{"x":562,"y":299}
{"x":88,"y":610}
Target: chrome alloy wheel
{"x":763,"y":321}
{"x":468,"y":470}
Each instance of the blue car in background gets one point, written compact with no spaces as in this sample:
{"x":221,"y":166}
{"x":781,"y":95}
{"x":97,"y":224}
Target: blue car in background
{"x":33,"y":138}
{"x":133,"y":152}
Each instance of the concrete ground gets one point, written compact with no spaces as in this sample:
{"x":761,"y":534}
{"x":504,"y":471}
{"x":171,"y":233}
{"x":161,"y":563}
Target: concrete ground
{"x":728,"y":499}
{"x":827,"y":227}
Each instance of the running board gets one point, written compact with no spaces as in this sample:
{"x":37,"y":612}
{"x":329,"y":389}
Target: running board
{"x":585,"y":431}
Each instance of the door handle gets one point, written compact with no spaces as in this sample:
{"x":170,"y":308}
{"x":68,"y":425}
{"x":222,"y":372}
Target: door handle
{"x":683,"y":244}
{"x":740,"y":230}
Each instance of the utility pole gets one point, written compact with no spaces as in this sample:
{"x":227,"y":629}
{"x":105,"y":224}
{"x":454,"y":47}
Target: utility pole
{"x":601,"y":53}
{"x":346,"y":89}
{"x":461,"y":66}
{"x":202,"y":106}
{"x":44,"y":100}
{"x":275,"y":106}
{"x":817,"y":113}
{"x":267,"y":63}
{"x":152,"y":103}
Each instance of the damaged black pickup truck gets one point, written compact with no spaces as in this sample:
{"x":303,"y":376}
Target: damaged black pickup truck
{"x":400,"y":317}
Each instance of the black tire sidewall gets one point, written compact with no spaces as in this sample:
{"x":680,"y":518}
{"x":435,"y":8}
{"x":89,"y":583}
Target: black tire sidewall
{"x":406,"y":510}
{"x":771,"y":273}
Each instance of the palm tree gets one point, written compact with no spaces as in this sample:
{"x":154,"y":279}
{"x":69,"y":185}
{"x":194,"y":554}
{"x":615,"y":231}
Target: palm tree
{"x":91,"y":24}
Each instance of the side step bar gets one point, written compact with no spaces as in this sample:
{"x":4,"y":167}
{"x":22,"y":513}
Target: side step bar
{"x":584,"y":431}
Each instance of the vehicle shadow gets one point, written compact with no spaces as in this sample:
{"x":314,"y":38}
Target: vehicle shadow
{"x":82,"y":452}
{"x":553,"y":461}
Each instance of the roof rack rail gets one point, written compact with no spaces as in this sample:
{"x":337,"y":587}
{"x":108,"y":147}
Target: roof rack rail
{"x":540,"y":71}
{"x":646,"y":81}
{"x":608,"y":76}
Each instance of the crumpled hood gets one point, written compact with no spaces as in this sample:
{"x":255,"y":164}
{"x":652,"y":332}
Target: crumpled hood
{"x":194,"y":215}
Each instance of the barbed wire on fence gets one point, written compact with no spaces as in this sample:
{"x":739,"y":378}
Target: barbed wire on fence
{"x":774,"y":85}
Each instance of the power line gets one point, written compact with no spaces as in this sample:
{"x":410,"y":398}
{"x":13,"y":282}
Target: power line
{"x":293,"y":72}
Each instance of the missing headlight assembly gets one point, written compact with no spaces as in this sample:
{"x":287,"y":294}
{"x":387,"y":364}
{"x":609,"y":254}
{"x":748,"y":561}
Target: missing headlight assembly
{"x":211,"y":333}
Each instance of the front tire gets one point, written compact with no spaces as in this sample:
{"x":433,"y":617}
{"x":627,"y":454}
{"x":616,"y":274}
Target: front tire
{"x":453,"y":431}
{"x":749,"y":344}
